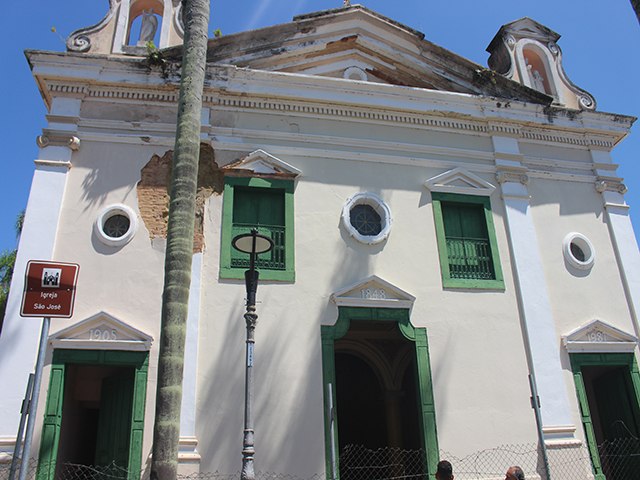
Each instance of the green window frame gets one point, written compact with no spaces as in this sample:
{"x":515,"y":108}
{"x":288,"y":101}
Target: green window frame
{"x":467,"y":244}
{"x":239,"y":216}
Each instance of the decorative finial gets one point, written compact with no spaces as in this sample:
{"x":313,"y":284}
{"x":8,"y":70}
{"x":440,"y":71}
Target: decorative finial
{"x":347,"y":3}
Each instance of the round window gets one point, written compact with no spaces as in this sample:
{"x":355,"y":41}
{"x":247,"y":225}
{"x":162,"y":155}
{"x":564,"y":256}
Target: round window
{"x":116,"y":225}
{"x":367,"y":218}
{"x":578,"y":251}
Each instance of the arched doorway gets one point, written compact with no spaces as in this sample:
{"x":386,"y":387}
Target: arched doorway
{"x":376,"y":366}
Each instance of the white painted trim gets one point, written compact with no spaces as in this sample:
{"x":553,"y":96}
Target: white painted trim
{"x":19,"y":339}
{"x":444,"y":182}
{"x":260,"y":161}
{"x":188,"y":411}
{"x":378,"y":303}
{"x":110,"y":211}
{"x":131,"y":338}
{"x":381,"y":208}
{"x":597,"y":332}
{"x":585,"y":245}
{"x":404,"y":300}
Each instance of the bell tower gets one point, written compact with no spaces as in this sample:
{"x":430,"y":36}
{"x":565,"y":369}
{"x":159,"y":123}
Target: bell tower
{"x":527,"y":52}
{"x":129,"y":25}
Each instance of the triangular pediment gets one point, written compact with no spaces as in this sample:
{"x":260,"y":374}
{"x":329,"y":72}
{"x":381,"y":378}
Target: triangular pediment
{"x":101,"y":332}
{"x":375,"y":292}
{"x":333,"y":43}
{"x":598,"y":336}
{"x":460,"y":181}
{"x":263,"y":163}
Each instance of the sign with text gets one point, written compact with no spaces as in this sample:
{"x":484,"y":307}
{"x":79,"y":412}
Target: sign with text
{"x":49,"y":289}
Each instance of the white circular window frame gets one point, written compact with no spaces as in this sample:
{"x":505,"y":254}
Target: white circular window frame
{"x":585,"y":245}
{"x":108,"y":212}
{"x":381,"y":209}
{"x":355,"y":73}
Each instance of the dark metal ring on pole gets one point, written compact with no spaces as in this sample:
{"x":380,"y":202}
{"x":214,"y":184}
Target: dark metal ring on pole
{"x":253,"y":244}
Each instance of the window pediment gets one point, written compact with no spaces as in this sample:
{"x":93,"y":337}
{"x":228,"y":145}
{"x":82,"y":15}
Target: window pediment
{"x":373,"y":292}
{"x":263,"y":163}
{"x":459,"y":181}
{"x":599,"y":337}
{"x":101,"y":332}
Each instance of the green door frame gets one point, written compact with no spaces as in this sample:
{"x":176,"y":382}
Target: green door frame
{"x":331,"y":333}
{"x":55,"y":400}
{"x":579,"y":360}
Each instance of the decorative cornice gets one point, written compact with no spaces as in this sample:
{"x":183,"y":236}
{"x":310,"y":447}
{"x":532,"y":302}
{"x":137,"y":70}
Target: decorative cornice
{"x":504,"y":129}
{"x":58,"y":139}
{"x":514,"y":176}
{"x":213,"y":99}
{"x":610,"y":186}
{"x":67,"y":88}
{"x":52,"y":163}
{"x":146,"y":95}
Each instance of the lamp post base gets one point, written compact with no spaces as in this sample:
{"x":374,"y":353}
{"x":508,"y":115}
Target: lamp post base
{"x":248,"y":452}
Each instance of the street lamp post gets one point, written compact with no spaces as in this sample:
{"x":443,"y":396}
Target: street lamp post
{"x":253,"y":244}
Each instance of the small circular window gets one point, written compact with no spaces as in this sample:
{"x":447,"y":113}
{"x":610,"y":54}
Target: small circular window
{"x":367,"y":218}
{"x":116,"y":225}
{"x":578,"y":251}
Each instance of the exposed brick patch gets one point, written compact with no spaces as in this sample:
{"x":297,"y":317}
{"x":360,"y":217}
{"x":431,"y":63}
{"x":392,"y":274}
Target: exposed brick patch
{"x":153,"y":192}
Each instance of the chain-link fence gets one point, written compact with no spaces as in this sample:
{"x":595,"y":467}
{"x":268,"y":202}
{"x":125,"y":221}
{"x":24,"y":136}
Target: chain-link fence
{"x":620,"y":460}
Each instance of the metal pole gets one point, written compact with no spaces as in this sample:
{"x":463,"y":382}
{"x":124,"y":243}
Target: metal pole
{"x":535,"y":403}
{"x":248,"y":449}
{"x":33,"y":403}
{"x":23,"y":417}
{"x":332,"y":431}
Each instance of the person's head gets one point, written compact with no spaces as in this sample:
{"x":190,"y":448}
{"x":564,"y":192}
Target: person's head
{"x":514,"y":473}
{"x":445,"y":470}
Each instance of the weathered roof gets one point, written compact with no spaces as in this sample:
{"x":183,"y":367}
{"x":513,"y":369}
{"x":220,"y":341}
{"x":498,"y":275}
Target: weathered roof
{"x":326,"y":43}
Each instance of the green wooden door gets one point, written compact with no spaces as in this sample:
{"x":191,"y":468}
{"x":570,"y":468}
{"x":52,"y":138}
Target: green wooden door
{"x":618,"y":414}
{"x":114,"y":425}
{"x":114,"y":398}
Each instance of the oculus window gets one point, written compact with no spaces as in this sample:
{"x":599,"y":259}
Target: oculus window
{"x":367,"y":218}
{"x":466,"y":242}
{"x":116,"y":225}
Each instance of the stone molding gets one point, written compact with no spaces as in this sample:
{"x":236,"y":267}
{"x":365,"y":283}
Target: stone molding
{"x":513,"y":176}
{"x":58,"y":139}
{"x":213,"y":99}
{"x":610,"y":186}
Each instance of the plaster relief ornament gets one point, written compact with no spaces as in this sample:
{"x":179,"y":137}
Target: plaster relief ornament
{"x":148,"y":27}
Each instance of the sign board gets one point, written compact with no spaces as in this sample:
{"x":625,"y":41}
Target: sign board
{"x":49,"y":289}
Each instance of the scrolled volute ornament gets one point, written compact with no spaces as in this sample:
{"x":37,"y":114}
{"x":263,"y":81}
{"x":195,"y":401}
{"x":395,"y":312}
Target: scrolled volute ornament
{"x":42,"y":141}
{"x":586,"y":101}
{"x":510,"y":40}
{"x":80,"y":40}
{"x":553,"y":48}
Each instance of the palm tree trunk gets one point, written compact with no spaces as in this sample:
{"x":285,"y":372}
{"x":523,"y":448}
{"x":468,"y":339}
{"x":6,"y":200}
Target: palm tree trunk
{"x":177,"y":268}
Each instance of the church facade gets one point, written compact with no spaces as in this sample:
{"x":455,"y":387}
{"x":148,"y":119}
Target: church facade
{"x":454,"y":266}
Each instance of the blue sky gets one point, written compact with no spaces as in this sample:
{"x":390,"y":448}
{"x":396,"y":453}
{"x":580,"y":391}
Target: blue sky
{"x":600,"y":41}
